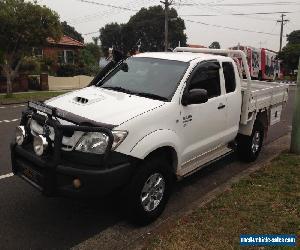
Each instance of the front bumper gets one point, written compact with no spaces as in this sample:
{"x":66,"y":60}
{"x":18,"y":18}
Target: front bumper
{"x":58,"y":181}
{"x":54,"y":173}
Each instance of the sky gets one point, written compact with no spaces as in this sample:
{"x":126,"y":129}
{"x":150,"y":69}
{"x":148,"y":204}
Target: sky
{"x":222,"y":23}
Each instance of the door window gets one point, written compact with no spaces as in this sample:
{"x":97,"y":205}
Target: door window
{"x":207,"y":77}
{"x":229,"y":75}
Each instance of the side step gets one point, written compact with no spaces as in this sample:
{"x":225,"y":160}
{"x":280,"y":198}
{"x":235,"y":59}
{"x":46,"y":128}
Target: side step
{"x":203,"y":160}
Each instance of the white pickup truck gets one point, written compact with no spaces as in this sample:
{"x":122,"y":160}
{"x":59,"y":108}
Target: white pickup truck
{"x":148,"y":120}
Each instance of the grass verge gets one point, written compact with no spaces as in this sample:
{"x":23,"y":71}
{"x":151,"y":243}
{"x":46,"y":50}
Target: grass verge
{"x":267,"y":202}
{"x":33,"y":96}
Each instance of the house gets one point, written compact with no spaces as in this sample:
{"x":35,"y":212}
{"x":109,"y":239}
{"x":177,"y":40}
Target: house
{"x":62,"y":52}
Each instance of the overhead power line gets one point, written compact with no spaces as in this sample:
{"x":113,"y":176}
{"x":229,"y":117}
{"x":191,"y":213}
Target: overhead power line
{"x":101,"y":14}
{"x":91,"y":33}
{"x":258,"y":3}
{"x":107,"y":5}
{"x":222,"y":11}
{"x":231,"y":28}
{"x":241,"y":4}
{"x":242,"y":14}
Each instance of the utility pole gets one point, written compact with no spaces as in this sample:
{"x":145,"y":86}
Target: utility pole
{"x":283,"y":22}
{"x":295,"y":141}
{"x":167,"y":4}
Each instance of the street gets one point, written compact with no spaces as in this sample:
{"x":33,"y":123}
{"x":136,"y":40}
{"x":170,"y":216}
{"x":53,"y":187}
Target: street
{"x":29,"y":220}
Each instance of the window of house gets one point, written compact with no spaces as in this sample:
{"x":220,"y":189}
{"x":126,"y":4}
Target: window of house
{"x":61,"y":57}
{"x":37,"y":52}
{"x":207,"y":77}
{"x":66,"y":57}
{"x":69,"y":54}
{"x":229,"y":75}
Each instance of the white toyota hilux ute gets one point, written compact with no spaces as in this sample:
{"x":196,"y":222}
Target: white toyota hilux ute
{"x":146,"y":121}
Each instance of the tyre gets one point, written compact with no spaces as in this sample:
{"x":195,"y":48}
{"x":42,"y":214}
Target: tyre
{"x":149,"y":191}
{"x":249,"y":147}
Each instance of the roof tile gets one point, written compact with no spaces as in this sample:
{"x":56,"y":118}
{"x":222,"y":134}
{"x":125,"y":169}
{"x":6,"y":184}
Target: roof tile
{"x":66,"y":40}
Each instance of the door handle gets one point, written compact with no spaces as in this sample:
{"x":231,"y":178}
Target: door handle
{"x":221,"y":106}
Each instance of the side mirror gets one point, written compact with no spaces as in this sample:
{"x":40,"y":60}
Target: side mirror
{"x":195,"y":96}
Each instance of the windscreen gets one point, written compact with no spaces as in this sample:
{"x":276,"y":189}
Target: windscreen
{"x":152,"y":76}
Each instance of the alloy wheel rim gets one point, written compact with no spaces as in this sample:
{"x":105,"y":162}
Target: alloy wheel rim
{"x":256,"y":142}
{"x":152,"y":192}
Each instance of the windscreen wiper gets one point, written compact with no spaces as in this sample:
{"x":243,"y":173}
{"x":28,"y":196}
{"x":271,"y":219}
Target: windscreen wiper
{"x":119,"y":89}
{"x":142,"y":94}
{"x":152,"y":96}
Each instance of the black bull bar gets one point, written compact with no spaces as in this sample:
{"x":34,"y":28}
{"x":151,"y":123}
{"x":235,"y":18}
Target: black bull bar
{"x":49,"y":164}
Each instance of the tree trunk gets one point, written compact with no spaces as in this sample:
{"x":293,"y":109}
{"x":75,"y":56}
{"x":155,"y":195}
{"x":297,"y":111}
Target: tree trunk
{"x":10,"y":74}
{"x":8,"y":84}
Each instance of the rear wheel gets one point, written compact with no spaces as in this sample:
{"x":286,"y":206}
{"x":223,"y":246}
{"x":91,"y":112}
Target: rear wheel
{"x":249,"y":147}
{"x":149,"y":191}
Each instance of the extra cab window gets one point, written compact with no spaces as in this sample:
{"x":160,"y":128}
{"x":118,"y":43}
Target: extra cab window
{"x":229,"y":75}
{"x":207,"y":77}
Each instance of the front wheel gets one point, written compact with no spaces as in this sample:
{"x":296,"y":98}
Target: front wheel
{"x":249,"y":147}
{"x":149,"y":191}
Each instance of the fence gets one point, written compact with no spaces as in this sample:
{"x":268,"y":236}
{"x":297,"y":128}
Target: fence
{"x":68,"y":83}
{"x":19,"y":84}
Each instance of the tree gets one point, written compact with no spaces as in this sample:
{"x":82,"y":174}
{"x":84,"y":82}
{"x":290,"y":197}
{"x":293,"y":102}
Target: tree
{"x":145,"y":28}
{"x":91,"y":54}
{"x":95,"y":40}
{"x":24,"y":25}
{"x":148,"y":28}
{"x":294,"y":37}
{"x":111,"y":35}
{"x":71,"y":32}
{"x":215,"y":45}
{"x":291,"y":52}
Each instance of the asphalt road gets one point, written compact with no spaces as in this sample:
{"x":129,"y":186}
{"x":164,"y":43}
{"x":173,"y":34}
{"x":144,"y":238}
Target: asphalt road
{"x":29,"y":220}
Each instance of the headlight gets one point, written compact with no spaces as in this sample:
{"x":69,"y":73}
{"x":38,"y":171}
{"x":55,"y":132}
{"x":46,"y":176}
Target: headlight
{"x":95,"y":143}
{"x":40,"y":144}
{"x":20,"y":135}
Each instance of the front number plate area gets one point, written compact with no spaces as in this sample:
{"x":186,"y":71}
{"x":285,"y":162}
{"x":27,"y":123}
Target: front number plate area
{"x":32,"y":176}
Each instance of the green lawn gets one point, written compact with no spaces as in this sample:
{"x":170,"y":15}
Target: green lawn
{"x":33,"y":96}
{"x":267,"y":202}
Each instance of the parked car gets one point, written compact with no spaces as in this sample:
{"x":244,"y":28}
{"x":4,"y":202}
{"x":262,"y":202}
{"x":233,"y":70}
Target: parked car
{"x":152,"y":119}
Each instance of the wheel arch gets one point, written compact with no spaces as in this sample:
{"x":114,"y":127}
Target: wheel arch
{"x":261,"y":117}
{"x":159,"y":142}
{"x":170,"y":154}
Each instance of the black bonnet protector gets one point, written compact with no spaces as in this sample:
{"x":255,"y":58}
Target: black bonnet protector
{"x":65,"y":115}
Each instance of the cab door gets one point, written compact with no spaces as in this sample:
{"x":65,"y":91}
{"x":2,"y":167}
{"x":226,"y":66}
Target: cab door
{"x":233,"y":96}
{"x":203,"y":125}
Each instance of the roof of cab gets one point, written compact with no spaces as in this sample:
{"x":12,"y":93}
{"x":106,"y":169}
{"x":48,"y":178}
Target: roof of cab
{"x":179,"y":56}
